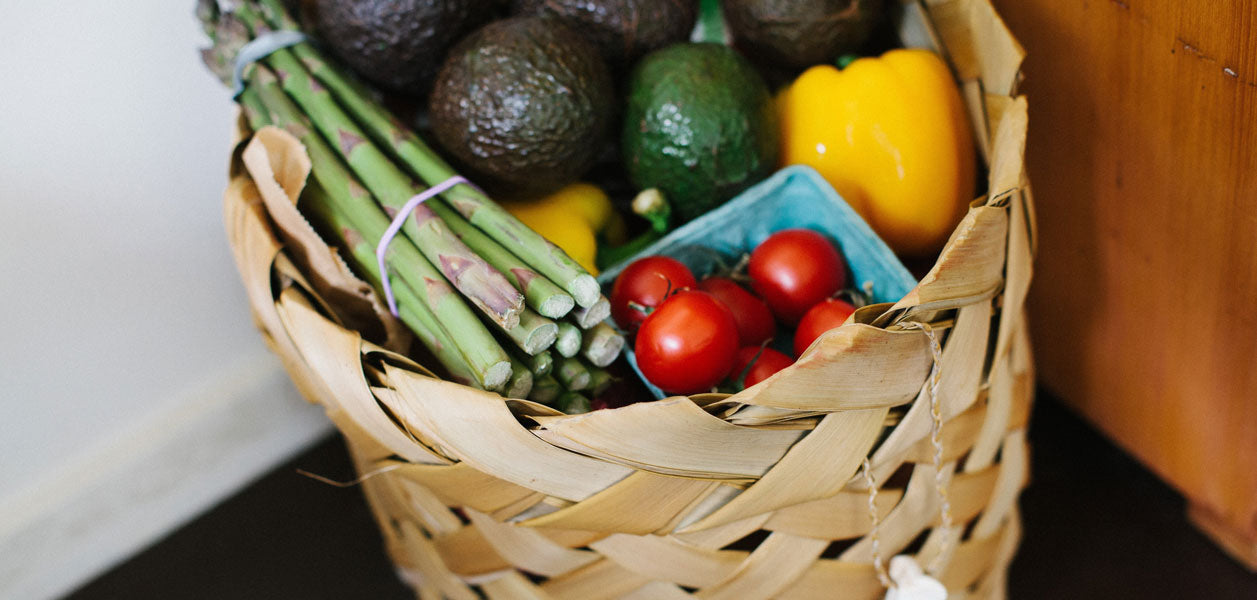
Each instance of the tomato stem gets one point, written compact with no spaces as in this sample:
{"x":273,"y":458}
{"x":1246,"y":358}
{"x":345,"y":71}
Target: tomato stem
{"x":641,"y":308}
{"x":741,"y":380}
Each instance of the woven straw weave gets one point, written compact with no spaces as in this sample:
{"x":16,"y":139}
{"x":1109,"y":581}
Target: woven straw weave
{"x":757,"y":495}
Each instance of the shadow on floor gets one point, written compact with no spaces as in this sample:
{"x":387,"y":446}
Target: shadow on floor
{"x":1097,"y":525}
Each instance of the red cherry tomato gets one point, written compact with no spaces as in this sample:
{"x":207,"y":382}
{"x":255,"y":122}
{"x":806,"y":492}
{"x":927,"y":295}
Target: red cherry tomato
{"x":769,"y":361}
{"x":687,"y":344}
{"x":755,"y":321}
{"x":821,"y":318}
{"x":794,"y":269}
{"x":645,"y":283}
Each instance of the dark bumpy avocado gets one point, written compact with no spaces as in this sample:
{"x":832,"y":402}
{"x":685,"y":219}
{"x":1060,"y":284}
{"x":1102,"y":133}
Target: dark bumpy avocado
{"x":699,"y":125}
{"x":397,"y":44}
{"x":796,"y":34}
{"x":623,"y":29}
{"x":524,"y":103}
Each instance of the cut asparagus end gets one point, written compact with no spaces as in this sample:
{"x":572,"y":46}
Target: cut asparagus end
{"x":600,"y":380}
{"x":569,"y":340}
{"x":541,"y":364}
{"x":545,"y":389}
{"x":592,"y":315}
{"x":521,"y":380}
{"x":573,"y":403}
{"x":534,"y":332}
{"x":602,"y":345}
{"x":585,"y":290}
{"x":556,"y":306}
{"x":540,"y":338}
{"x":497,"y":376}
{"x":571,"y":373}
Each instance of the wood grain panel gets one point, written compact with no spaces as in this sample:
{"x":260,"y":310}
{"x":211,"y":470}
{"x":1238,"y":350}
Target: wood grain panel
{"x":1143,"y":119}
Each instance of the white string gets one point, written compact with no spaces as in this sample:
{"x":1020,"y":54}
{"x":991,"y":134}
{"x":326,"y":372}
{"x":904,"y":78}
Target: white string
{"x":905,"y":580}
{"x":878,"y":565}
{"x":381,"y":249}
{"x":936,"y":439}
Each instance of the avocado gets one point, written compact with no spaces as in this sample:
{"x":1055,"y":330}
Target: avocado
{"x":796,"y":34}
{"x":624,"y":30}
{"x":524,"y":103}
{"x":397,"y":44}
{"x":699,"y":125}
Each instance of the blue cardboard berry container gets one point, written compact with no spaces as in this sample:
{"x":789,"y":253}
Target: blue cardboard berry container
{"x":794,"y":197}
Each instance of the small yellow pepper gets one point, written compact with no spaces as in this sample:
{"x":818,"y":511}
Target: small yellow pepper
{"x":891,"y":135}
{"x":572,"y":218}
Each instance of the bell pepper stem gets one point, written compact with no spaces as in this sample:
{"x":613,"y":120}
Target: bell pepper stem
{"x":846,"y":59}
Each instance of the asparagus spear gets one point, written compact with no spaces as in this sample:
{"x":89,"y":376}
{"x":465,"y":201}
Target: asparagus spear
{"x":545,"y":389}
{"x":521,"y":380}
{"x":487,"y":360}
{"x":600,"y":380}
{"x":594,"y":314}
{"x":541,"y":363}
{"x":424,"y":163}
{"x":534,"y":333}
{"x":483,"y":285}
{"x":411,"y":311}
{"x":568,"y":342}
{"x":571,"y":373}
{"x":602,"y":344}
{"x":255,"y":112}
{"x":572,"y":403}
{"x":540,"y":294}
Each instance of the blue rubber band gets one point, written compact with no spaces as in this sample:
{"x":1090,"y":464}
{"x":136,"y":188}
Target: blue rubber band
{"x":260,"y":48}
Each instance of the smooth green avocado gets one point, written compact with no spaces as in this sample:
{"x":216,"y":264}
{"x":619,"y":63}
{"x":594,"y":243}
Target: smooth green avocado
{"x":699,"y":125}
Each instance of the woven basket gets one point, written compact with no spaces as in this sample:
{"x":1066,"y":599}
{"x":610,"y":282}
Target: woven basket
{"x":903,"y":432}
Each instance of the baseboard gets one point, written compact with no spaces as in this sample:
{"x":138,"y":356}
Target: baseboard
{"x":143,"y":483}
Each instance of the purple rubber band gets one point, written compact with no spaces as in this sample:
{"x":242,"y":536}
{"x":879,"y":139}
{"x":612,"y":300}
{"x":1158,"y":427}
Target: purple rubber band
{"x":398,"y":220}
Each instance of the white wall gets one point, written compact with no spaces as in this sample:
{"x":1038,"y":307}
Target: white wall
{"x":133,"y":388}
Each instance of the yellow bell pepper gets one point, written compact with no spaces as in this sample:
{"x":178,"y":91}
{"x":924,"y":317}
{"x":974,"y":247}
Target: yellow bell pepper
{"x":891,"y":135}
{"x":572,"y":218}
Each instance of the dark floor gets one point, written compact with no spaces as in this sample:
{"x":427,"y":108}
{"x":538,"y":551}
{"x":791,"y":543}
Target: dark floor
{"x":1096,"y":526}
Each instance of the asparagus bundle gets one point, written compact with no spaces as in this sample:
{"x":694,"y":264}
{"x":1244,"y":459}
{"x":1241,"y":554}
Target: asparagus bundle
{"x":459,"y":255}
{"x":470,"y":202}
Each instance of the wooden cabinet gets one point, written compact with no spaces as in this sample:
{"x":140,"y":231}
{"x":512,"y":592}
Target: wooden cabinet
{"x":1143,"y":154}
